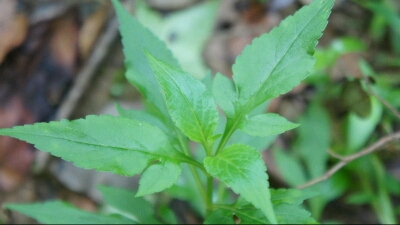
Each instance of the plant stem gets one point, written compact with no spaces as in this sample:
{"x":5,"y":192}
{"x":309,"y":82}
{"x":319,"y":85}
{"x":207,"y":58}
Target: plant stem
{"x":221,"y":192}
{"x":186,"y":150}
{"x":209,"y":203}
{"x":229,"y":129}
{"x":344,"y":160}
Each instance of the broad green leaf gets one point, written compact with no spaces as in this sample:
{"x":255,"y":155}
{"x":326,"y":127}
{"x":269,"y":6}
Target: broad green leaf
{"x":125,"y":203}
{"x":158,"y":177}
{"x":105,"y":143}
{"x":224,"y":94}
{"x":265,"y":125}
{"x":190,"y":105}
{"x":135,"y":38}
{"x":276,"y":62}
{"x":290,"y":196}
{"x":57,"y":212}
{"x":242,"y":168}
{"x":184,"y":31}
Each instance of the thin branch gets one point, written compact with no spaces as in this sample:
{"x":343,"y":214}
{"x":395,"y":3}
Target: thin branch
{"x":347,"y":159}
{"x":380,"y":99}
{"x":336,"y":155}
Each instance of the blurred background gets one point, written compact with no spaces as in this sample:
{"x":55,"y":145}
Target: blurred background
{"x":63,"y":60}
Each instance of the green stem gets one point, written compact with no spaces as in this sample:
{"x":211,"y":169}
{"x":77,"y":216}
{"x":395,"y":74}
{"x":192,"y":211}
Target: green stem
{"x":186,"y":151}
{"x":229,"y":129}
{"x":209,"y":203}
{"x":221,"y":192}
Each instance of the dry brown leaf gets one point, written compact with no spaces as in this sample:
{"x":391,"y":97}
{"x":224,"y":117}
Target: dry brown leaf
{"x":12,"y":33}
{"x":91,"y":29}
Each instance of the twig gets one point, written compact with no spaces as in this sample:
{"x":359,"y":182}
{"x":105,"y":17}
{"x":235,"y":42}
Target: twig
{"x":347,"y":159}
{"x":382,"y":100}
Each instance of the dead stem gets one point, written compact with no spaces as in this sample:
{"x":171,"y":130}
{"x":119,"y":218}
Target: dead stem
{"x":344,"y":160}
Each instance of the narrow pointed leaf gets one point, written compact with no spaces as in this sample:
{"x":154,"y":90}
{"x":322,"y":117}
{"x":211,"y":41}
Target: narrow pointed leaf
{"x":135,"y":38}
{"x":265,"y":125}
{"x":106,"y":143}
{"x":158,"y":177}
{"x":57,"y":212}
{"x":125,"y":203}
{"x":276,"y":62}
{"x":190,"y":105}
{"x":242,"y":168}
{"x":224,"y":94}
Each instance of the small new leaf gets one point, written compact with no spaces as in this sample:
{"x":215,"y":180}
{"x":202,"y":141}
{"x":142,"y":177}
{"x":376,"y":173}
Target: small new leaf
{"x":158,"y":177}
{"x":190,"y":104}
{"x":265,"y":125}
{"x":242,"y":168}
{"x":224,"y":94}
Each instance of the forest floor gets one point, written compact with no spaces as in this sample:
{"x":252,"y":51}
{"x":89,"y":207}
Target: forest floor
{"x":63,"y":60}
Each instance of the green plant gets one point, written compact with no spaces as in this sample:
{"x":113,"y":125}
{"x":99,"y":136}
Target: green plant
{"x":179,"y":109}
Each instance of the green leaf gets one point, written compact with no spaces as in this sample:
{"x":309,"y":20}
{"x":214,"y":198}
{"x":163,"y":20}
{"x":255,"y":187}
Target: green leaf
{"x":242,"y":168}
{"x":135,"y":38}
{"x":142,"y":116}
{"x":259,"y":143}
{"x":290,"y":196}
{"x":57,"y":212}
{"x":360,"y":129}
{"x":105,"y":143}
{"x":173,"y":134}
{"x":293,"y":214}
{"x":220,"y":216}
{"x":276,"y":62}
{"x":224,"y":93}
{"x":314,"y":139}
{"x":265,"y":125}
{"x":289,"y":167}
{"x":158,"y":177}
{"x":184,"y":31}
{"x":190,"y":105}
{"x":125,"y":203}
